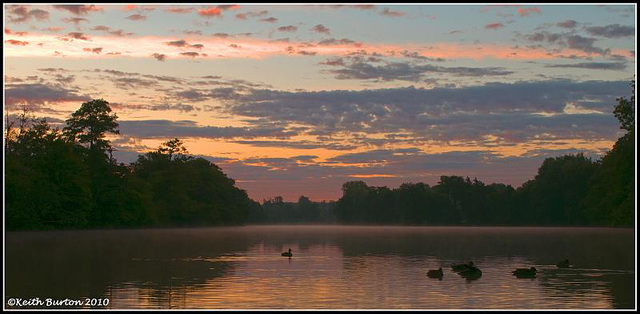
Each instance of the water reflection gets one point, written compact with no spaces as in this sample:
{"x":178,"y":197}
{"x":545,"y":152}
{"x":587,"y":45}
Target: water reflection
{"x":332,"y":267}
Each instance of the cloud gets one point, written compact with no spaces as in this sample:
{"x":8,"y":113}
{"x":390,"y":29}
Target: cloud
{"x":219,"y":93}
{"x":39,"y":94}
{"x":569,"y":40}
{"x":190,"y":54}
{"x":359,"y":6}
{"x":54,"y":29}
{"x":182,"y":129}
{"x":79,"y":9}
{"x":388,"y":12}
{"x":210,"y":12}
{"x":19,"y":14}
{"x":307,"y":53}
{"x":528,"y":11}
{"x":221,"y":35}
{"x":269,"y":20}
{"x":177,"y":43}
{"x":75,"y":20}
{"x":244,"y":16}
{"x":469,"y":113}
{"x":288,"y":28}
{"x":321,"y":29}
{"x":584,"y":44}
{"x":156,"y":107}
{"x":180,"y":10}
{"x":107,"y":29}
{"x":77,"y":35}
{"x":298,"y":144}
{"x":334,"y":41}
{"x":494,"y":26}
{"x":335,"y":61}
{"x":64,"y":80}
{"x":101,"y":28}
{"x":16,"y":42}
{"x":567,"y":24}
{"x":618,"y":66}
{"x":611,"y":31}
{"x":136,"y":17}
{"x":225,"y":7}
{"x":120,"y":33}
{"x":296,"y":177}
{"x":93,"y":50}
{"x":408,"y":72}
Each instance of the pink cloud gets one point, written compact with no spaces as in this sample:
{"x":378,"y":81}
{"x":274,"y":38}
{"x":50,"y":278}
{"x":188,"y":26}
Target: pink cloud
{"x":8,"y":31}
{"x":494,"y":26}
{"x":180,"y":10}
{"x":54,"y":29}
{"x":225,"y":7}
{"x":219,"y":46}
{"x":94,"y":50}
{"x":136,"y":17}
{"x":210,"y":12}
{"x":16,"y":42}
{"x":528,"y":11}
{"x":79,"y":9}
{"x":76,"y":35}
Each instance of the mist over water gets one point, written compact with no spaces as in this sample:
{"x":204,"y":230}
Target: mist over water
{"x":333,"y":267}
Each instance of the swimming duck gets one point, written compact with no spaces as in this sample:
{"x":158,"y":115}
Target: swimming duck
{"x":563,"y":264}
{"x":462,"y":267}
{"x":471,"y":273}
{"x":525,"y":273}
{"x":289,"y":254}
{"x":435,"y":273}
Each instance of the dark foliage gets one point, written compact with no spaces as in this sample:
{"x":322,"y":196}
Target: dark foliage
{"x":68,"y":180}
{"x":569,"y":190}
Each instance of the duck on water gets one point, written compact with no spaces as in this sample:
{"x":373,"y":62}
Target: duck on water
{"x":525,"y":272}
{"x":471,"y":273}
{"x":462,"y":267}
{"x":564,"y":264}
{"x":435,"y":273}
{"x":289,"y":254}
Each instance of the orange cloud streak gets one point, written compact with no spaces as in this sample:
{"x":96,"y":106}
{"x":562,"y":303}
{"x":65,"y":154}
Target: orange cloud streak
{"x":243,"y":47}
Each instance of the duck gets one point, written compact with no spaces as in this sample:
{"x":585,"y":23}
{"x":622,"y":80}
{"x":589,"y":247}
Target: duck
{"x":289,"y":254}
{"x":471,"y":273}
{"x":525,"y":272}
{"x":435,"y":273}
{"x":462,"y":267}
{"x":563,"y":264}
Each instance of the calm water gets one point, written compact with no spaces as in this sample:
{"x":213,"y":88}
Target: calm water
{"x":333,"y":267}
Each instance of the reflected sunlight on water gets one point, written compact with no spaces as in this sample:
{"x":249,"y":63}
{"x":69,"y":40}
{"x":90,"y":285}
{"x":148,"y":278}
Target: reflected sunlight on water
{"x":332,"y":267}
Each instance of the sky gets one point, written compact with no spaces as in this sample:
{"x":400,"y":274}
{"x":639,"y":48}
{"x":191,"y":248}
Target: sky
{"x":294,"y":100}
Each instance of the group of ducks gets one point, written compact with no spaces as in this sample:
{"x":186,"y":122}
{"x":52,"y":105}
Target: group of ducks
{"x":470,"y":271}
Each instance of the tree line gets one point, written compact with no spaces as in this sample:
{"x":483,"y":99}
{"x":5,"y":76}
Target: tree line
{"x":569,"y":190}
{"x":68,"y":179}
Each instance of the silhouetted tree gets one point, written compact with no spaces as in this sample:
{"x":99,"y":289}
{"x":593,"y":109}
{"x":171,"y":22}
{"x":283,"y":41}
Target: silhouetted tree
{"x":90,"y":123}
{"x":611,"y":191}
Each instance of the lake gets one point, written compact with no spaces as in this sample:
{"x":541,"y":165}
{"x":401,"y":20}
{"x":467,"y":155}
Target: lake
{"x":333,"y":267}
